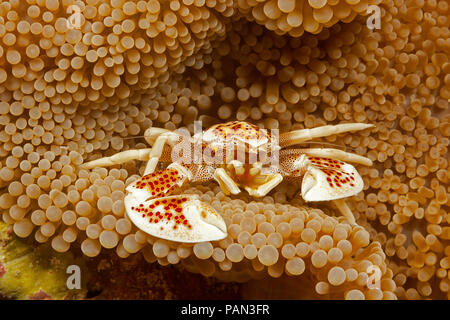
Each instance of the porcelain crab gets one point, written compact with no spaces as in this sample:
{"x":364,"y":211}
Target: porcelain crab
{"x":235,"y":154}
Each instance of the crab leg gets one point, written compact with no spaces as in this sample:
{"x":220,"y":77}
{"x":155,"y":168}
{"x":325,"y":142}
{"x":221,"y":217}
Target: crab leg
{"x":157,"y":150}
{"x":118,"y":158}
{"x":337,"y":154}
{"x":298,"y":136}
{"x":345,"y":210}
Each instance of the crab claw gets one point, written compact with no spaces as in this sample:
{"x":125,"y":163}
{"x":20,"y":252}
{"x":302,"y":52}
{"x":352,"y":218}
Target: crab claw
{"x":180,"y":218}
{"x":327,"y":179}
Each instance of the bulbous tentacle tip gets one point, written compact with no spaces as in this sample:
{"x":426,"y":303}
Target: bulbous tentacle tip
{"x":179,"y":218}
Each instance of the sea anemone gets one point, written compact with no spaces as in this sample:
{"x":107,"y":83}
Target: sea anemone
{"x":81,"y":80}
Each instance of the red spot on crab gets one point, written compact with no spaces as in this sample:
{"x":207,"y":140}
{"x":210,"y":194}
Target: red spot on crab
{"x":170,"y":210}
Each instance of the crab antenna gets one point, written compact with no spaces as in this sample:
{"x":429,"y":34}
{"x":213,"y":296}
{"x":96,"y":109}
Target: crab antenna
{"x":133,"y":137}
{"x":328,"y":144}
